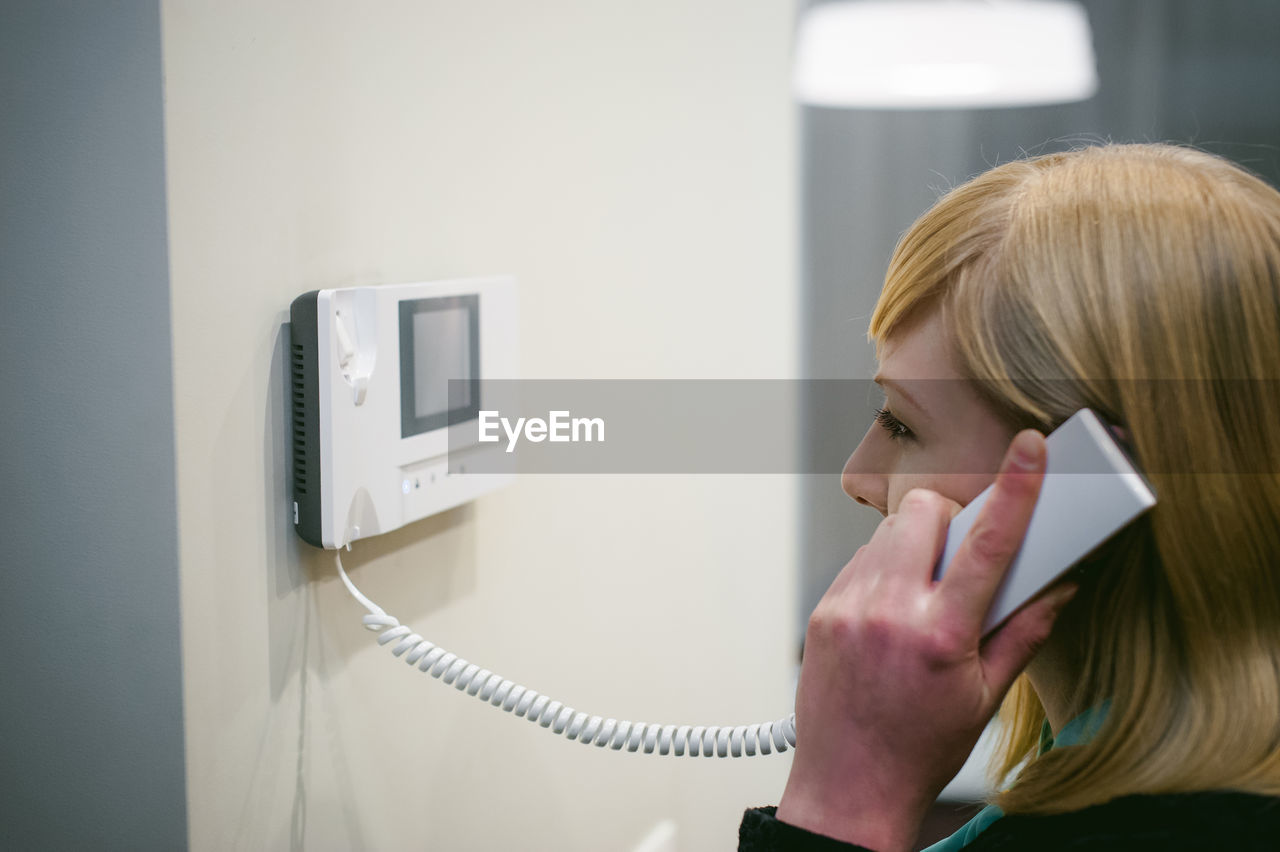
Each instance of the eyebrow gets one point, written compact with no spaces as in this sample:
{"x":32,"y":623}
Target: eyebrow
{"x":901,"y":390}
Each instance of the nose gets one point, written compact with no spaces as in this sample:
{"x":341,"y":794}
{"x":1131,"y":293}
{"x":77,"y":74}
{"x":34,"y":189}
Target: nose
{"x":863,"y":479}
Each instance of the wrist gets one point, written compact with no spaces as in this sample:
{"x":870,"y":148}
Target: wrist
{"x":853,"y":811}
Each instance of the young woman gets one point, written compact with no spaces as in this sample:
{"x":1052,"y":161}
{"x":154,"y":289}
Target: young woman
{"x":1143,"y":282}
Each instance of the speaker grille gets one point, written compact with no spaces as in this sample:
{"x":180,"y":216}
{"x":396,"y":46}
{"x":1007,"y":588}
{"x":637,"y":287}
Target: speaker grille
{"x":299,"y":422}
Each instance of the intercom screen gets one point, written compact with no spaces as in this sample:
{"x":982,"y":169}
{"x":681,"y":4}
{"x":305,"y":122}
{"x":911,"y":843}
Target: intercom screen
{"x":439,"y":362}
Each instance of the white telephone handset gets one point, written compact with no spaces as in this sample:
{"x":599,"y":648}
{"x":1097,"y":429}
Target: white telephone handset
{"x":1090,"y":491}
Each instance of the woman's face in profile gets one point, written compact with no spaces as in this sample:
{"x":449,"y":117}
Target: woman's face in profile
{"x":934,"y":430}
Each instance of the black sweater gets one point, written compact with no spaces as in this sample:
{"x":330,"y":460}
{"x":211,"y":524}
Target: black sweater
{"x":1221,"y":822}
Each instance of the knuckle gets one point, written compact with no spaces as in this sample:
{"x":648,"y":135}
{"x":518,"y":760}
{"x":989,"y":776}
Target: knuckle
{"x":943,"y":644}
{"x":880,"y":628}
{"x":989,"y":544}
{"x":830,"y":629}
{"x":817,"y":622}
{"x":823,"y":620}
{"x":843,"y":633}
{"x":1020,"y":486}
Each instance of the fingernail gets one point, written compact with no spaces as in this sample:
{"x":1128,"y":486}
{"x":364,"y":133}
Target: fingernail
{"x":1063,"y":594}
{"x":1027,"y":451}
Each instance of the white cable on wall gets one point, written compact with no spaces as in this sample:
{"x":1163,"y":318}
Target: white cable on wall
{"x":694,"y":740}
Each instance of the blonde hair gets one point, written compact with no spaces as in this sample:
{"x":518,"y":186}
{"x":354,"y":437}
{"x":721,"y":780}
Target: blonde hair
{"x":1142,"y":281}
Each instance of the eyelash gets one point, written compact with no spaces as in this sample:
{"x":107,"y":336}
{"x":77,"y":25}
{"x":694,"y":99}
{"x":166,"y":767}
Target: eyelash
{"x":897,"y":430}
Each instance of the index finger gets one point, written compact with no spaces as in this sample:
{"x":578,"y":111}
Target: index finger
{"x":980,"y":563}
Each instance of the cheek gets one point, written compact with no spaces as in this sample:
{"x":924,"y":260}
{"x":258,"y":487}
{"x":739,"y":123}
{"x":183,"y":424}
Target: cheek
{"x":959,"y":469}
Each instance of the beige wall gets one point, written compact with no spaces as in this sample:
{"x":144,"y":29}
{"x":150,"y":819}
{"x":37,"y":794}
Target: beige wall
{"x":632,"y":164}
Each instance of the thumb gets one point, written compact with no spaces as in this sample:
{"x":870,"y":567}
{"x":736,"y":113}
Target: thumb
{"x":1011,"y":648}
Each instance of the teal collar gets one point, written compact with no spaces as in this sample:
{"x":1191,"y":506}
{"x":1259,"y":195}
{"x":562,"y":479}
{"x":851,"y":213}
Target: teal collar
{"x":1079,"y":730}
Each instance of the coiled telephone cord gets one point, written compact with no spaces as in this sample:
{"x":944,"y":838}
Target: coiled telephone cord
{"x":693,"y":740}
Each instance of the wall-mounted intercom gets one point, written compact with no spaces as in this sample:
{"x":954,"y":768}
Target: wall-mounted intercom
{"x":379,"y":374}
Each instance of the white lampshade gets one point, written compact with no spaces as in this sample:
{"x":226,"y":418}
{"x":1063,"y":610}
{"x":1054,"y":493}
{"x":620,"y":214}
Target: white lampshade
{"x":944,"y":54}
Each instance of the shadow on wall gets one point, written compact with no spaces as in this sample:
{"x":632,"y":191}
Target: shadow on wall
{"x":296,"y":574}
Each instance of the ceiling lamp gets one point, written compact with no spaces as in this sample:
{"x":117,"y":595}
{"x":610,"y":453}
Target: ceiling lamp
{"x":944,"y":54}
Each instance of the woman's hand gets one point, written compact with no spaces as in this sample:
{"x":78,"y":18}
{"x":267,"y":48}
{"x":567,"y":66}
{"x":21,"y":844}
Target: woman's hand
{"x":897,"y":683}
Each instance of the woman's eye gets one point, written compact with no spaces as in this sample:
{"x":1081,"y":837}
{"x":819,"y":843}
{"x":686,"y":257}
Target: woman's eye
{"x":896,"y":428}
